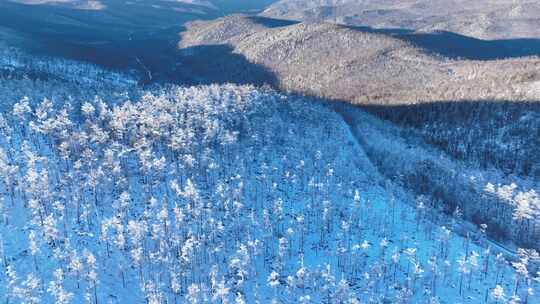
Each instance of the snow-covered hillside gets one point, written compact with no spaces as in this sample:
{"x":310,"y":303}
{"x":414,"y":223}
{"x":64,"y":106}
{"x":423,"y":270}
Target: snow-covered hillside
{"x":485,"y":19}
{"x":218,"y":194}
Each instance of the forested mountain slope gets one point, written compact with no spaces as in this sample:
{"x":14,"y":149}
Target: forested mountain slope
{"x":120,"y":187}
{"x":358,"y":65}
{"x":218,"y":194}
{"x":484,"y":112}
{"x":484,"y":19}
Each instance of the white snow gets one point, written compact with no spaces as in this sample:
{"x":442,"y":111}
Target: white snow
{"x":217,"y":194}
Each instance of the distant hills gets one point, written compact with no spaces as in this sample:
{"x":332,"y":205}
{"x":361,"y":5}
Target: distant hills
{"x":76,"y":4}
{"x":359,"y":64}
{"x":179,"y":6}
{"x":485,"y":19}
{"x":380,"y":51}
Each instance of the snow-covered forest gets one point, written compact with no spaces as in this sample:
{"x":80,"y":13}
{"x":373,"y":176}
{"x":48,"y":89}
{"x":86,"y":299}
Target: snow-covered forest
{"x":113,"y":193}
{"x":485,"y":152}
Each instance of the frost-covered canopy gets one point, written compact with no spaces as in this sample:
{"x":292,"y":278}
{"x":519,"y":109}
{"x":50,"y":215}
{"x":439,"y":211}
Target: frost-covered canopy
{"x":220,"y":194}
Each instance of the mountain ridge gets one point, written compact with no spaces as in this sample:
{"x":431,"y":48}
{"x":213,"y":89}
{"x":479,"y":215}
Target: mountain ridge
{"x":363,"y":65}
{"x":485,"y":19}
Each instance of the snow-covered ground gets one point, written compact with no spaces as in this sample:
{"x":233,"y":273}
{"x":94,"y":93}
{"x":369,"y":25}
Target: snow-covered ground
{"x":219,"y":194}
